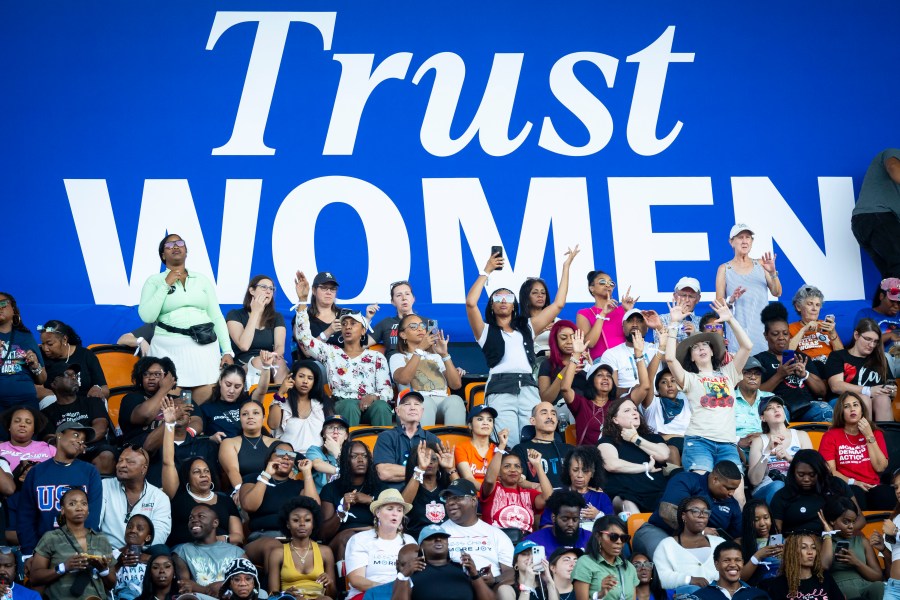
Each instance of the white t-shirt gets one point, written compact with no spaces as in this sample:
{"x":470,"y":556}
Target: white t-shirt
{"x":621,"y":359}
{"x":653,"y":415}
{"x":486,"y":544}
{"x":301,"y":433}
{"x":377,"y":555}
{"x":712,"y":403}
{"x":429,"y":378}
{"x":514,"y":360}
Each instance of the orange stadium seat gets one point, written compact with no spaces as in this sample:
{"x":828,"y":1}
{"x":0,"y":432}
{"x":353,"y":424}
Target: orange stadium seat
{"x":117,"y":363}
{"x":475,"y":394}
{"x":635,"y":521}
{"x":571,"y":436}
{"x":367,"y":434}
{"x":453,"y":434}
{"x":114,"y":403}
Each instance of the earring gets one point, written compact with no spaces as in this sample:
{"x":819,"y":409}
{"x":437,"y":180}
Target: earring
{"x":212,"y":486}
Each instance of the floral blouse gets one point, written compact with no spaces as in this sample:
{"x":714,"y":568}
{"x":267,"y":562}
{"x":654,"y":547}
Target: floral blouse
{"x":349,"y":377}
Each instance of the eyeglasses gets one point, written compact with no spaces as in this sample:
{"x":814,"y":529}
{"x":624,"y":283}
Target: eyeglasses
{"x":401,"y":282}
{"x":334,"y":428}
{"x":415,"y":326}
{"x":170,"y":245}
{"x":328,"y":288}
{"x":868,"y":339}
{"x":608,"y":282}
{"x":154,"y":373}
{"x":699,"y":512}
{"x":507,"y":297}
{"x":4,"y":303}
{"x":714,"y":327}
{"x":615,"y":537}
{"x":289,"y":453}
{"x":268,"y":288}
{"x":753,"y":373}
{"x":642,"y":564}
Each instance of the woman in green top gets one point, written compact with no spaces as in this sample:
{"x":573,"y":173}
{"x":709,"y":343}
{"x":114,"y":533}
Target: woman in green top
{"x":177,"y":300}
{"x":72,"y":562}
{"x":854,"y":566}
{"x":602,"y":570}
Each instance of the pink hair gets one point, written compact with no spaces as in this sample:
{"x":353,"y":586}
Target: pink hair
{"x":556,"y":357}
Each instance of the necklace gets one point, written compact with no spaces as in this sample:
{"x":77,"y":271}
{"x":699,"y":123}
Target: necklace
{"x":254,"y":446}
{"x":849,"y":441}
{"x":301,"y":557}
{"x":198,"y":498}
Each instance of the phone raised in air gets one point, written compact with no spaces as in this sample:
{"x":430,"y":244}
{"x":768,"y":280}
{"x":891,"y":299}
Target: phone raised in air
{"x":537,"y":559}
{"x":497,"y":250}
{"x":187,"y":396}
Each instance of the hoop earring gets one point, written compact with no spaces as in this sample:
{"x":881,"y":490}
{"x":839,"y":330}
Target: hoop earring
{"x":187,"y":487}
{"x":212,"y":486}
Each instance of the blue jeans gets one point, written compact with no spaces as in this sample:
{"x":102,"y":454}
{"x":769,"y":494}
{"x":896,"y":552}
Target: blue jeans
{"x":685,"y":590}
{"x":819,"y":411}
{"x":767,"y":492}
{"x":892,"y":589}
{"x":701,"y":454}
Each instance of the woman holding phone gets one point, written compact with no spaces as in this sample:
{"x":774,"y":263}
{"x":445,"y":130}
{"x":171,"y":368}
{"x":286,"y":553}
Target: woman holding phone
{"x":863,"y":369}
{"x":506,"y":338}
{"x":817,"y":339}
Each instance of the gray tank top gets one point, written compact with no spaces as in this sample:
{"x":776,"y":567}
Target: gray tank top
{"x":748,"y":306}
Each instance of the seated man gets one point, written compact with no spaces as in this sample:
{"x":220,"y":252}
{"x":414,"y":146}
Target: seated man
{"x":544,"y":420}
{"x":729,"y":561}
{"x":717,"y":487}
{"x":128,"y":493}
{"x":201,"y":564}
{"x":565,"y":507}
{"x":747,"y":397}
{"x":622,"y":358}
{"x":9,"y":574}
{"x":487,"y":545}
{"x":393,"y":446}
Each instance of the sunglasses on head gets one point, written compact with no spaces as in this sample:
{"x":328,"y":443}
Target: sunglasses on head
{"x":396,"y":283}
{"x":170,"y":245}
{"x":892,"y":291}
{"x":507,"y":297}
{"x":615,"y":537}
{"x":49,"y":329}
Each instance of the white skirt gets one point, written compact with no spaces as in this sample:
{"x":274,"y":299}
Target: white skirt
{"x":195,"y":364}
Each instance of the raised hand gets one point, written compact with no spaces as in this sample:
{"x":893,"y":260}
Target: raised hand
{"x":535,"y":459}
{"x":494,"y":262}
{"x":738,"y":292}
{"x":267,"y":358}
{"x":721,"y":308}
{"x":638,"y":341}
{"x":371,"y":310}
{"x":446,"y":458}
{"x":503,"y":438}
{"x":168,"y":410}
{"x":628,"y":301}
{"x":651,"y":318}
{"x":571,"y":253}
{"x":578,"y":345}
{"x":424,"y":455}
{"x":286,"y":385}
{"x":301,"y":286}
{"x":609,"y":307}
{"x":441,"y":343}
{"x":767,"y":262}
{"x":676,"y":312}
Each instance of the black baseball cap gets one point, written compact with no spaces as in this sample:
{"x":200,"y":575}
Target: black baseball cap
{"x":477,"y":410}
{"x":323,"y":278}
{"x":54,"y":372}
{"x":460,"y":487}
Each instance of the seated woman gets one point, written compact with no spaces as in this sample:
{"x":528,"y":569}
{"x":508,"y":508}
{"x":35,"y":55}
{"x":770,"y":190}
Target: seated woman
{"x":802,"y":574}
{"x":473,"y":456}
{"x":854,"y":566}
{"x":809,"y":485}
{"x":504,"y":502}
{"x":258,"y":326}
{"x":159,"y":577}
{"x":345,"y":500}
{"x":131,"y":559}
{"x":248,"y":453}
{"x":301,"y":567}
{"x":795,"y":378}
{"x":602,"y":572}
{"x":506,"y":339}
{"x":241,"y":581}
{"x":222,"y":412}
{"x":200,"y":481}
{"x":422,"y":363}
{"x":371,"y":554}
{"x":863,"y":369}
{"x":61,"y":347}
{"x":85,"y":553}
{"x":633,"y":457}
{"x":816,"y":339}
{"x":335,"y":431}
{"x":772,"y":451}
{"x":590,"y":410}
{"x":601,"y":324}
{"x":22,"y":369}
{"x":649,"y":587}
{"x":757,"y":527}
{"x":298,"y":411}
{"x":24,"y":424}
{"x":359,"y":377}
{"x":190,"y":328}
{"x":885,"y":311}
{"x":685,"y":560}
{"x":668,"y":412}
{"x":539,"y":582}
{"x":426,"y":478}
{"x":856,"y":453}
{"x":550,"y":373}
{"x":583,"y":473}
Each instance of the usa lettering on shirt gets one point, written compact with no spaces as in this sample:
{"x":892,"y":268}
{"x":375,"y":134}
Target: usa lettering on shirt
{"x":48,"y":496}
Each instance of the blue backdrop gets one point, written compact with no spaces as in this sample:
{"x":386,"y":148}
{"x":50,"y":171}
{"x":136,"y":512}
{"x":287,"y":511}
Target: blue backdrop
{"x":385,"y":141}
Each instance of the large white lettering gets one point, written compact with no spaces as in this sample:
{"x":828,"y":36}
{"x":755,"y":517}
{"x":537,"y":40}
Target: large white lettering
{"x":558,"y":204}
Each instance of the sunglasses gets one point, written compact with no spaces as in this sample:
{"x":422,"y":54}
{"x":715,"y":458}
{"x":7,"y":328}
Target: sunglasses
{"x":714,"y":327}
{"x":507,"y":297}
{"x":268,"y":288}
{"x":699,"y":512}
{"x":615,"y":537}
{"x":396,"y":283}
{"x":49,"y":329}
{"x":289,"y":453}
{"x":415,"y":326}
{"x":136,"y":448}
{"x":608,"y":282}
{"x":4,"y":303}
{"x":170,"y":245}
{"x":642,"y":564}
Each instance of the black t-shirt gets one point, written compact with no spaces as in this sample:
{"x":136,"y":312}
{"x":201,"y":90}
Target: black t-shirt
{"x":579,"y":382}
{"x":638,"y":487}
{"x":145,"y":331}
{"x":265,"y":518}
{"x":794,"y":392}
{"x":361,"y":516}
{"x":852,"y":369}
{"x":91,"y":374}
{"x":427,"y":509}
{"x":316,"y":327}
{"x":800,"y":511}
{"x":192,"y":447}
{"x":130,"y":431}
{"x":386,"y":332}
{"x":263,"y":339}
{"x":809,"y":589}
{"x":446,"y":581}
{"x":552,"y":455}
{"x":83,"y":410}
{"x":183,"y":504}
{"x":219,"y":415}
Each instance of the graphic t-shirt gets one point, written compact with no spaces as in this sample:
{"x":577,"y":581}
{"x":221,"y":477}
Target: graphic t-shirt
{"x":91,"y":373}
{"x":852,"y":369}
{"x":83,"y":411}
{"x":510,"y":508}
{"x":711,"y":397}
{"x":814,"y":344}
{"x":478,"y":464}
{"x":486,"y":544}
{"x":809,"y":589}
{"x":207,"y":562}
{"x":851,"y":454}
{"x":791,"y":388}
{"x":35,"y":451}
{"x":429,"y":376}
{"x":16,"y":384}
{"x":377,"y":556}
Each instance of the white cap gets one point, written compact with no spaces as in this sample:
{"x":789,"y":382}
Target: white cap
{"x":631,"y":313}
{"x":688,"y":282}
{"x":739,"y":227}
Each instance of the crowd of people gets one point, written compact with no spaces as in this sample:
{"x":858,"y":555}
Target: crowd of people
{"x":205,"y":491}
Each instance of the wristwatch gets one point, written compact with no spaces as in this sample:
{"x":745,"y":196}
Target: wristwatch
{"x":61,"y":568}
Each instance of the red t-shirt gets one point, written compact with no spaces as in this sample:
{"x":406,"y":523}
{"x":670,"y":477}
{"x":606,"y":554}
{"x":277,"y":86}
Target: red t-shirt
{"x":851,"y":454}
{"x":510,"y":508}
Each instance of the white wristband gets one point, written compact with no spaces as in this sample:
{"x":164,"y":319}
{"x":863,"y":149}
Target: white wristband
{"x":170,"y":426}
{"x":754,"y":560}
{"x":866,"y":391}
{"x":851,"y":481}
{"x":103,"y":573}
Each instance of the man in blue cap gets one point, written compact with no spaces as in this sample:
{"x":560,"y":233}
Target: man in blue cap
{"x":565,"y":507}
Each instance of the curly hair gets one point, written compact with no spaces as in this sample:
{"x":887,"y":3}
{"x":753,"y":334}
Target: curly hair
{"x":773,"y":313}
{"x":17,"y":316}
{"x":143,"y":365}
{"x":345,"y":479}
{"x":612,"y":432}
{"x":305,"y":502}
{"x":790,"y":561}
{"x":591,"y":461}
{"x":682,"y":507}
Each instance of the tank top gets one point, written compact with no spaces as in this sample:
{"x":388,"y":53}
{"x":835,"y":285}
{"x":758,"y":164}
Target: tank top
{"x":747,"y":308}
{"x":844,"y":571}
{"x":252,"y":459}
{"x":779,"y":464}
{"x":292,"y":578}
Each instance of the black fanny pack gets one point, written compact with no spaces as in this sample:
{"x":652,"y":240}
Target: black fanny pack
{"x":509,"y":383}
{"x":202,"y":334}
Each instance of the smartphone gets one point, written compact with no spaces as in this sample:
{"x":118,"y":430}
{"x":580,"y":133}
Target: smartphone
{"x":497,"y":250}
{"x":187,"y":396}
{"x":537,"y":559}
{"x":787,"y":355}
{"x":776,"y":539}
{"x":134,"y":549}
{"x":829,"y":318}
{"x":432,"y":324}
{"x":842,"y":545}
